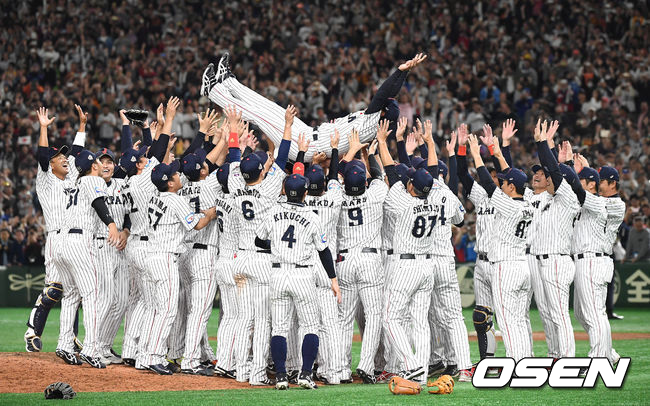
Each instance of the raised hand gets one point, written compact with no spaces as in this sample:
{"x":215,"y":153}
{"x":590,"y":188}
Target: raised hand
{"x":125,"y":121}
{"x":487,"y":138}
{"x":251,"y":141}
{"x":353,"y":141}
{"x":382,"y":131}
{"x":412,"y":63}
{"x":234,"y":117}
{"x":508,"y":131}
{"x":473,"y":145}
{"x":463,"y":134}
{"x":42,"y":114}
{"x":550,"y":133}
{"x":334,"y":141}
{"x":160,"y":116}
{"x":451,"y":144}
{"x":206,"y":121}
{"x":401,"y":128}
{"x":411,"y":143}
{"x":289,"y":115}
{"x":83,"y":118}
{"x":303,"y":142}
{"x":427,"y":136}
{"x":172,"y":105}
{"x":373,"y":147}
{"x":537,"y":132}
{"x":319,"y":158}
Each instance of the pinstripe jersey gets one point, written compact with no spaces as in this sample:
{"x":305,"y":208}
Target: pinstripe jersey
{"x":359,"y":223}
{"x":512,"y":219}
{"x":484,"y":217}
{"x":538,"y":201}
{"x":79,"y":212}
{"x":139,"y":189}
{"x":295,"y":232}
{"x":52,"y":194}
{"x":615,"y":214}
{"x":253,"y":202}
{"x":201,"y":195}
{"x":589,"y":232}
{"x":555,"y":222}
{"x":365,"y":124}
{"x":387,"y":230}
{"x":227,"y":221}
{"x":170,"y":217}
{"x":118,"y":205}
{"x":328,"y":208}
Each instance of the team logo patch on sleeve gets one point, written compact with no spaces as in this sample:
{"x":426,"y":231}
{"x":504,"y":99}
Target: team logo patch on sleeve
{"x":323,"y":238}
{"x":98,"y":190}
{"x":189,"y":218}
{"x":461,"y":208}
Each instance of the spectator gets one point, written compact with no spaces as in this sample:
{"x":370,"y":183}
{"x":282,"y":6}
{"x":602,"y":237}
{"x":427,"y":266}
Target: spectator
{"x":34,"y":249}
{"x":17,"y":252}
{"x":466,"y":240}
{"x":107,"y":123}
{"x":638,"y":242}
{"x":6,"y":247}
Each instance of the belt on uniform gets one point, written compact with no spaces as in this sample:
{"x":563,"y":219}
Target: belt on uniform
{"x":544,"y":256}
{"x":389,"y":252}
{"x":75,"y":231}
{"x":364,"y":250}
{"x":199,"y":246}
{"x":413,"y":256}
{"x":144,"y":238}
{"x":54,"y":232}
{"x":264,"y":251}
{"x":596,"y":254}
{"x":483,"y":257}
{"x":278,"y":265}
{"x":100,"y":238}
{"x":527,"y":250}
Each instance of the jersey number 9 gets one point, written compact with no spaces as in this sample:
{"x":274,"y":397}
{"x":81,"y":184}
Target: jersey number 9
{"x":356,"y":217}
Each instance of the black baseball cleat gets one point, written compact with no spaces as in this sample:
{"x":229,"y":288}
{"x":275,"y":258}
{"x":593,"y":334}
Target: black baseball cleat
{"x":223,"y":70}
{"x":282,"y":382}
{"x":347,"y":381}
{"x":413,"y":373}
{"x":436,"y":369}
{"x":68,"y":357}
{"x":200,"y":370}
{"x":208,"y":80}
{"x":615,"y":316}
{"x":160,"y":369}
{"x":305,"y":381}
{"x":266,"y":381}
{"x":174,"y":366}
{"x":218,"y":371}
{"x":451,"y":370}
{"x":92,"y":361}
{"x":293,"y":376}
{"x":208,"y":364}
{"x":367,"y":378}
{"x":33,"y":343}
{"x":129,"y":361}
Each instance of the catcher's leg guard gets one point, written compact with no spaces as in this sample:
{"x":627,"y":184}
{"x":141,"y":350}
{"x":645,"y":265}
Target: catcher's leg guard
{"x":51,"y":295}
{"x":487,"y":343}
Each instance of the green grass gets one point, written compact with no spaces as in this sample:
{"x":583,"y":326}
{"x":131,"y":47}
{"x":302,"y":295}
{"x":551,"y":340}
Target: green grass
{"x":635,"y":391}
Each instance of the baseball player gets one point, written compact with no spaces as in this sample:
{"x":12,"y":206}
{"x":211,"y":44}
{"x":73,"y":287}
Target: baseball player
{"x":294,"y":232}
{"x":86,"y":207}
{"x":359,"y":263}
{"x":170,"y":216}
{"x":56,"y":172}
{"x":596,"y":227}
{"x":224,"y":89}
{"x":552,"y":246}
{"x":256,"y":183}
{"x":507,"y":251}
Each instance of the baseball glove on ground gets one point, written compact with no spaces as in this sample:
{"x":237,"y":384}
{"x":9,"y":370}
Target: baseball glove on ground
{"x":444,"y":385}
{"x":401,"y":386}
{"x":59,"y":390}
{"x":137,"y":117}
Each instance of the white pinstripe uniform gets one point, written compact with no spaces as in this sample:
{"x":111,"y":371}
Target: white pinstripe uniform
{"x":253,"y":270}
{"x":79,"y":261}
{"x":269,"y":117}
{"x":330,"y":354}
{"x":198,"y":268}
{"x":539,"y":201}
{"x":227,"y":333}
{"x":170,"y":217}
{"x":360,"y":273}
{"x":484,"y":220}
{"x":139,"y":188}
{"x":445,"y":309}
{"x":552,"y":246}
{"x":596,"y":227}
{"x":113,"y":261}
{"x":510,"y":273}
{"x":52,"y":194}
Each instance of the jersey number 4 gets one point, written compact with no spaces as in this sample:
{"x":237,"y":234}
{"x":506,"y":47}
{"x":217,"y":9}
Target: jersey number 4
{"x":154,"y":223}
{"x":288,"y":236}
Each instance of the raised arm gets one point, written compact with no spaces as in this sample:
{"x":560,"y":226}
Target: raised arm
{"x":451,"y":153}
{"x":80,"y":138}
{"x":386,"y":160}
{"x":126,"y":140}
{"x":401,"y":145}
{"x":546,"y":157}
{"x":332,"y":174}
{"x":285,"y":144}
{"x":465,"y":178}
{"x":43,"y":143}
{"x":432,"y":159}
{"x":484,"y":176}
{"x":508,"y":131}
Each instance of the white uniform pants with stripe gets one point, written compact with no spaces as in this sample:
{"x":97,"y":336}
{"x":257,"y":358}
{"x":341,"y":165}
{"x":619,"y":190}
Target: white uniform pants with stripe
{"x":201,"y":291}
{"x":390,"y":356}
{"x":361,"y":277}
{"x":227,"y":332}
{"x":590,"y":294}
{"x":448,"y":312}
{"x":71,"y":298}
{"x":140,"y":301}
{"x":557,"y":274}
{"x":542,"y":306}
{"x":176,"y":338}
{"x":163,"y":273}
{"x":253,"y":275}
{"x":291,"y":286}
{"x":94,"y":283}
{"x":409,"y":292}
{"x":113,"y":261}
{"x":510,"y":291}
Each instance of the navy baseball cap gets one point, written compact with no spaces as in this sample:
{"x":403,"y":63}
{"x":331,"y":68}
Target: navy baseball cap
{"x":222,"y":174}
{"x":515,"y":176}
{"x":417,"y":162}
{"x":192,"y":164}
{"x":295,"y":186}
{"x":263,"y":156}
{"x":608,"y":173}
{"x":52,"y":151}
{"x":105,"y":152}
{"x":391,"y":110}
{"x":355,"y":181}
{"x":251,"y":167}
{"x":84,"y":160}
{"x":130,"y":158}
{"x":538,"y":167}
{"x":589,"y":174}
{"x":162,"y":173}
{"x":402,"y":172}
{"x":443,"y":169}
{"x":316,"y":177}
{"x":422,"y":182}
{"x":410,"y":172}
{"x":354,"y":164}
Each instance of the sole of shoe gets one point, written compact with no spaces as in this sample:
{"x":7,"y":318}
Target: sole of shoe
{"x":306,"y":384}
{"x":412,"y":375}
{"x":282,"y":386}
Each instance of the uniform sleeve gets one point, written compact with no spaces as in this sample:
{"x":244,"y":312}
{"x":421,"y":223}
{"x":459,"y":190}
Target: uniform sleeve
{"x":235,"y":180}
{"x":594,"y":204}
{"x":272,"y":183}
{"x":528,"y":194}
{"x":264,"y":229}
{"x":184,"y":213}
{"x":396,"y":198}
{"x":94,"y":187}
{"x":566,"y":196}
{"x":455,"y":208}
{"x":319,"y":234}
{"x":73,"y":173}
{"x":503,"y":203}
{"x":478,"y":195}
{"x":378,"y":190}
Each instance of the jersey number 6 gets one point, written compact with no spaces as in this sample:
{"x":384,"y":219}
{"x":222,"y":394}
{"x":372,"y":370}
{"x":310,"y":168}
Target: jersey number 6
{"x":247,"y":210}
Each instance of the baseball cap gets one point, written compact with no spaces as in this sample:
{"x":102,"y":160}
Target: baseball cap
{"x":222,"y":174}
{"x":422,"y":182}
{"x":251,"y":167}
{"x":355,"y":164}
{"x":417,"y":162}
{"x":355,"y":181}
{"x":402,"y":172}
{"x":514,"y":176}
{"x":192,"y":164}
{"x":589,"y":174}
{"x":410,"y":172}
{"x":105,"y":152}
{"x":52,"y":151}
{"x":442,"y":169}
{"x":263,"y":156}
{"x":608,"y":173}
{"x":84,"y":160}
{"x":538,"y":167}
{"x":295,"y":186}
{"x":130,"y":158}
{"x":162,"y":173}
{"x":316,"y":177}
